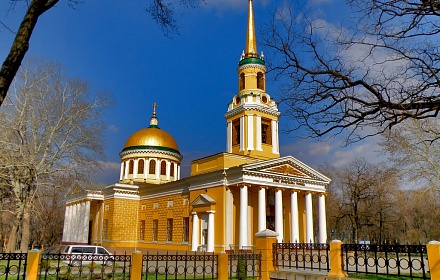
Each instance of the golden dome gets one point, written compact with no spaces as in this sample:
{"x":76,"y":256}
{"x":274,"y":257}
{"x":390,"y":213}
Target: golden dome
{"x":151,"y":137}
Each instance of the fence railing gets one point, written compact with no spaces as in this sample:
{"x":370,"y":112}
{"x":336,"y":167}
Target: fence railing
{"x":244,"y":265}
{"x":13,"y":265}
{"x":84,"y":266}
{"x":173,"y":266}
{"x":312,"y":256}
{"x":399,"y":260}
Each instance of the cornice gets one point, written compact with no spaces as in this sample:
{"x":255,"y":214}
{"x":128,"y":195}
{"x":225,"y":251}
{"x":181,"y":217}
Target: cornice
{"x":140,"y":150}
{"x":253,"y":106}
{"x":251,"y":65}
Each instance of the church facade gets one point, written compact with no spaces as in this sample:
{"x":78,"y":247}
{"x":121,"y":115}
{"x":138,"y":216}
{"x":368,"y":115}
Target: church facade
{"x":228,"y":197}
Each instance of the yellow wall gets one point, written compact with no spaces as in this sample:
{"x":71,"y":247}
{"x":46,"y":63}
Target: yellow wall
{"x":219,"y":161}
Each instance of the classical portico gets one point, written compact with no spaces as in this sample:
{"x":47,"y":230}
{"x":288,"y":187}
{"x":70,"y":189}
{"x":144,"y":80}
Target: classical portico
{"x":285,"y":189}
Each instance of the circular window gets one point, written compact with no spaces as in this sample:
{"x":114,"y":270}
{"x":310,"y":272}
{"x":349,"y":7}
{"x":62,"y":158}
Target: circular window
{"x":264,"y":99}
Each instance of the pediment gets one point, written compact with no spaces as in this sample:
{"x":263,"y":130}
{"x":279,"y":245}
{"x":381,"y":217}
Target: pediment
{"x":286,"y":169}
{"x":203,"y":200}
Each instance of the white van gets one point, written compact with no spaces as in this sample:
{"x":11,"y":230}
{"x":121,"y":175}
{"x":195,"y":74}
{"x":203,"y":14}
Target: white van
{"x":79,"y":255}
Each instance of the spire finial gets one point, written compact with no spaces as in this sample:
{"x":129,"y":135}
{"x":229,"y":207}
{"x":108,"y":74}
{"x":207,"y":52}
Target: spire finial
{"x":251,"y":39}
{"x":153,"y":120}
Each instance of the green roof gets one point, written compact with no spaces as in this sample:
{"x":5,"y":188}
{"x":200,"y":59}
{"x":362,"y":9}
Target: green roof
{"x":251,"y":60}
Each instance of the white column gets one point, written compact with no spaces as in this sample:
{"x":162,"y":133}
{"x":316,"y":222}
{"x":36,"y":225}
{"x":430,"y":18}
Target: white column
{"x":210,"y":243}
{"x":85,"y":209}
{"x":250,"y":132}
{"x":229,"y":229}
{"x":158,"y":168}
{"x":279,"y":215}
{"x":175,"y":171}
{"x":195,"y":232}
{"x":261,"y":209}
{"x":178,"y":172}
{"x":322,"y":219}
{"x":127,"y":164}
{"x":275,"y":144}
{"x":294,"y":226}
{"x":168,"y":170}
{"x":258,"y":133}
{"x":229,"y":137}
{"x":121,"y":176}
{"x":146,"y":168}
{"x":309,"y":218}
{"x":135,"y":168}
{"x":241,"y":134}
{"x":243,"y":231}
{"x":66,"y":223}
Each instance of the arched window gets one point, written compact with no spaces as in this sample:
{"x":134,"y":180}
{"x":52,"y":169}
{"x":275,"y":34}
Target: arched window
{"x":141,"y":164}
{"x":260,"y":80}
{"x":172,"y":169}
{"x":130,"y":167}
{"x":152,"y":167}
{"x":163,"y":168}
{"x":242,"y":81}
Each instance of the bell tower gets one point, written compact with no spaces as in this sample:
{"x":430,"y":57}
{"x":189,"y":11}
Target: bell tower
{"x":252,"y":116}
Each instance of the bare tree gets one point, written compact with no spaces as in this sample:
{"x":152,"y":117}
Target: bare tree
{"x":378,"y":70}
{"x":412,"y":148}
{"x":160,"y":10}
{"x":362,"y":201}
{"x":50,"y":125}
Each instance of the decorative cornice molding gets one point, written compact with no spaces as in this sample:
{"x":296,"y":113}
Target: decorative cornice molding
{"x":150,"y":151}
{"x":251,"y":65}
{"x":254,"y":106}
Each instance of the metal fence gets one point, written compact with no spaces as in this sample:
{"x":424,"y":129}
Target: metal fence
{"x":13,"y":265}
{"x":84,"y":266}
{"x":244,"y":265}
{"x":187,"y":266}
{"x":401,"y":260}
{"x":310,"y":256}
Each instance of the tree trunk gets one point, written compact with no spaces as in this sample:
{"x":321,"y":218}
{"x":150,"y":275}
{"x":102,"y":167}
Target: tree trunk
{"x":21,"y":44}
{"x":26,"y":226}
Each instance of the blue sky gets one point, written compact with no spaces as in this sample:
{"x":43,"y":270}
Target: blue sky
{"x":115,"y":46}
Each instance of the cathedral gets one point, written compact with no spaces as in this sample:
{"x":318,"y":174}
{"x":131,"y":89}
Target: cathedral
{"x":227,"y":199}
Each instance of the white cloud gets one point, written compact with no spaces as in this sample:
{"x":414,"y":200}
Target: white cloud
{"x":314,"y":153}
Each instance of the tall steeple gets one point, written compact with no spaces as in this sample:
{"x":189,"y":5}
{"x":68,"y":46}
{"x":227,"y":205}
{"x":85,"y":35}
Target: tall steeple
{"x":252,"y":117}
{"x":251,"y":39}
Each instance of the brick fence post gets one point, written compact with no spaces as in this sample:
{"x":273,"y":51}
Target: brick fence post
{"x":136,"y":266}
{"x":222,"y":266}
{"x":32,"y":263}
{"x":336,"y":265}
{"x":433,"y":248}
{"x":264,"y":242}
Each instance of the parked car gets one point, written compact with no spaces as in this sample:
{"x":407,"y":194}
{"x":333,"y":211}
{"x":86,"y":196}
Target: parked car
{"x":77,"y":255}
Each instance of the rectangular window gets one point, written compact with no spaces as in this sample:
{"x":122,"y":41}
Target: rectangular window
{"x":169,"y":230}
{"x":155,"y":228}
{"x":142,"y":230}
{"x":266,"y":131}
{"x":236,"y":132}
{"x":185,"y":229}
